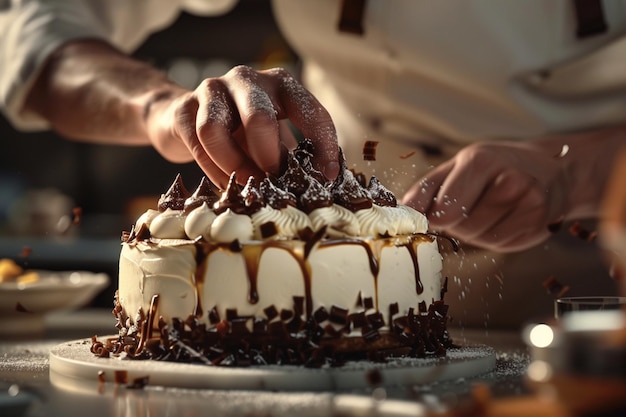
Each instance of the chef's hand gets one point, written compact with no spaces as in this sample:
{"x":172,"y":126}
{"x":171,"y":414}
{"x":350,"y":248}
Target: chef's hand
{"x":90,"y":91}
{"x":504,"y":196}
{"x":231,"y":123}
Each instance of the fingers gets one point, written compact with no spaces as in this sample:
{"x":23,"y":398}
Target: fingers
{"x":311,"y":118}
{"x":238,"y":124}
{"x":216,"y":123}
{"x":484,"y":199}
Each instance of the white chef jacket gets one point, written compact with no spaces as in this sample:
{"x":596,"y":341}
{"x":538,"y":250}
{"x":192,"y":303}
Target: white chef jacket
{"x":441,"y":73}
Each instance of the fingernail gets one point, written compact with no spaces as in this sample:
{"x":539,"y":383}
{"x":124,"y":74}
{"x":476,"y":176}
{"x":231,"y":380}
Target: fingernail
{"x":331,"y":170}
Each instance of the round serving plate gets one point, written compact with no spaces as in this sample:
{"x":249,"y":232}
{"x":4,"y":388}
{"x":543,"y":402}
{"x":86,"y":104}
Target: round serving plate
{"x":73,"y":361}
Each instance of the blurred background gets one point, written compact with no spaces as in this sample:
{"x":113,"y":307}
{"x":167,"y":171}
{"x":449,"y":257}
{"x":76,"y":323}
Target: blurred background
{"x":44,"y":178}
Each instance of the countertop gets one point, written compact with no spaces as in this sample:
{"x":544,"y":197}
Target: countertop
{"x":24,"y":373}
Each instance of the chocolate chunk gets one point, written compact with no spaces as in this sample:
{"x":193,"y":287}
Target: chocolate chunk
{"x":381,"y":195}
{"x":252,"y":197}
{"x":204,"y":193}
{"x":338,"y":315}
{"x":175,"y":196}
{"x":231,"y":198}
{"x":276,"y":197}
{"x":268,"y":230}
{"x":347,"y":192}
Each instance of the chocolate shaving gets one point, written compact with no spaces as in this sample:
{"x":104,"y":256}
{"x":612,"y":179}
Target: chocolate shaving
{"x":407,"y":155}
{"x":290,"y":340}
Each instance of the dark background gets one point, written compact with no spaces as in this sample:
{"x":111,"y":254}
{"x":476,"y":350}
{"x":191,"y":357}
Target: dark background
{"x":110,"y":183}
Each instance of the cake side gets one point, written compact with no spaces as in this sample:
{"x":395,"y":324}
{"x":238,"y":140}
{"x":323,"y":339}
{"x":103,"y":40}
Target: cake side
{"x":290,"y":270}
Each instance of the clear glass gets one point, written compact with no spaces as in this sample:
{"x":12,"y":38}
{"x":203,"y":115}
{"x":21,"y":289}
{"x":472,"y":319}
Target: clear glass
{"x":565,"y":305}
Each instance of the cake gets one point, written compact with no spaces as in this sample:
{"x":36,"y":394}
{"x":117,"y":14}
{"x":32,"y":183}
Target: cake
{"x":284,"y":270}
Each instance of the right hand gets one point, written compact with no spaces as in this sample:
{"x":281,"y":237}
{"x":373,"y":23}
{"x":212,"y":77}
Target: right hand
{"x":231,"y":124}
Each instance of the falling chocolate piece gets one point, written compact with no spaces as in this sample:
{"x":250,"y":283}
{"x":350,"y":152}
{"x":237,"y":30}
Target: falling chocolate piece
{"x":554,"y":287}
{"x":578,"y":231}
{"x":204,"y":193}
{"x":175,"y":196}
{"x":369,"y":150}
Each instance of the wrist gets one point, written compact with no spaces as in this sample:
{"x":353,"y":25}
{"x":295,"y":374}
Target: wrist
{"x":585,"y":160}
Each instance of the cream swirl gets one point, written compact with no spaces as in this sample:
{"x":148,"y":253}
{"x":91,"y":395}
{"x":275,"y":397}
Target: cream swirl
{"x":146,"y":218}
{"x":198,"y":222}
{"x":230,"y":226}
{"x":416,"y":221}
{"x":341,"y":222}
{"x":376,"y":221}
{"x":169,"y":224}
{"x":288,"y":221}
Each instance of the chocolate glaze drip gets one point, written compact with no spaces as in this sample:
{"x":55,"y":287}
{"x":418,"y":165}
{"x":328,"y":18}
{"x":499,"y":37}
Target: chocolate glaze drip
{"x":347,"y":191}
{"x":204,"y":193}
{"x":276,"y":197}
{"x":231,"y":198}
{"x":380,"y":194}
{"x":252,"y":197}
{"x":175,"y":197}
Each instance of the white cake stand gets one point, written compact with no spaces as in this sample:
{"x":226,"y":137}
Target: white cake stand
{"x":73,"y":360}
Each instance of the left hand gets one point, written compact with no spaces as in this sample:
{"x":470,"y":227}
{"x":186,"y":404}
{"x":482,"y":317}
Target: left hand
{"x":500,"y":196}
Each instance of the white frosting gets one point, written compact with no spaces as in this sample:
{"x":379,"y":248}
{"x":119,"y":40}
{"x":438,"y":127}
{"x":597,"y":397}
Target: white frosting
{"x":169,"y":224}
{"x":146,"y":218}
{"x":230,"y":226}
{"x":376,"y":221}
{"x":338,"y":274}
{"x":340,"y":221}
{"x":198,"y":222}
{"x":288,"y":221}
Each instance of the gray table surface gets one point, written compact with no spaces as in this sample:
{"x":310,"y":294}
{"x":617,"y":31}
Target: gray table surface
{"x":24,"y":368}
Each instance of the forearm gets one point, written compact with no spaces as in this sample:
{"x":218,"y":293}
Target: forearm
{"x":89,"y":91}
{"x":587,"y":159}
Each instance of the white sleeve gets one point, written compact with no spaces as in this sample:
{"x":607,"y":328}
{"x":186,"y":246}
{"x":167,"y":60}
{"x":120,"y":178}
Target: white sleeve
{"x":32,"y":29}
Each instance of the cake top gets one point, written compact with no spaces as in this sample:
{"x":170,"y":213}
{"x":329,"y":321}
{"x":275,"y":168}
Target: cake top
{"x":300,"y":202}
